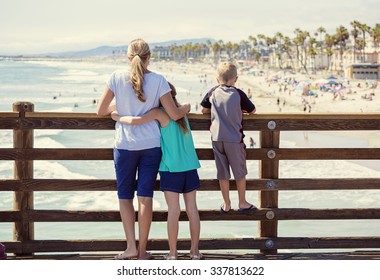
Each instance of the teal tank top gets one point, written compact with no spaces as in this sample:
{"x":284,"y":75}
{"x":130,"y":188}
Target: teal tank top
{"x":178,"y":151}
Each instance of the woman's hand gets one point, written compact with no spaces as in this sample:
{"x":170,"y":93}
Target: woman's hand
{"x":115,"y":116}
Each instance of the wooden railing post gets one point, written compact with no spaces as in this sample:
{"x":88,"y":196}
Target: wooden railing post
{"x":23,"y":170}
{"x":269,"y":199}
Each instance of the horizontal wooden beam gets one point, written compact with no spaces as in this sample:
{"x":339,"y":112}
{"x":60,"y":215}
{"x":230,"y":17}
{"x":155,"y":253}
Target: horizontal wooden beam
{"x":207,"y":184}
{"x":263,"y":214}
{"x":203,"y":154}
{"x":256,"y":122}
{"x":205,"y":244}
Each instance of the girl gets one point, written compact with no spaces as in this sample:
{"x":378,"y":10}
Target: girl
{"x":137,"y":148}
{"x":178,"y":173}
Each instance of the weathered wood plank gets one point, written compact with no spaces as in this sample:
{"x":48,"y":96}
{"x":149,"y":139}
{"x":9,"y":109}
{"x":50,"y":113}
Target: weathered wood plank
{"x":269,"y":169}
{"x":205,"y":244}
{"x":206,"y":184}
{"x":203,"y":154}
{"x":11,"y":154}
{"x":263,"y":214}
{"x":215,"y":256}
{"x":327,"y":153}
{"x":42,"y":120}
{"x":23,"y":169}
{"x":10,"y":216}
{"x":9,"y":122}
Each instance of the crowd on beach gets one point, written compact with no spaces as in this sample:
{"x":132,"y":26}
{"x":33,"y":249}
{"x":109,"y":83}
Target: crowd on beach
{"x":289,"y":92}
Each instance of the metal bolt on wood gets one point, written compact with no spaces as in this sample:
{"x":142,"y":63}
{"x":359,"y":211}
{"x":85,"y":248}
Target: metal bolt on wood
{"x":270,"y":185}
{"x":270,"y":215}
{"x":271,"y":125}
{"x":271,"y":154}
{"x":269,"y":243}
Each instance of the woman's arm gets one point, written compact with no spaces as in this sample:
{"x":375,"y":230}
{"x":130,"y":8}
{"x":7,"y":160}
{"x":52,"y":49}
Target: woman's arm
{"x":105,"y":107}
{"x":154,"y":114}
{"x":205,"y":110}
{"x":174,"y":112}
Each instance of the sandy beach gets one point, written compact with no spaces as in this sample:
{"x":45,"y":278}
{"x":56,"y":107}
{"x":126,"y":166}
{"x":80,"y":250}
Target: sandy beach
{"x":266,"y":92}
{"x":268,"y":98}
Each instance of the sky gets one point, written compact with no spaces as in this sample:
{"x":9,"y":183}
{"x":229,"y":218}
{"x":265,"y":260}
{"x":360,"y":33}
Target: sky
{"x":45,"y":26}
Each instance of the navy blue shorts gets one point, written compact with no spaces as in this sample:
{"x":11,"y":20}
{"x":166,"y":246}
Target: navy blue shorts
{"x":144,"y":163}
{"x":179,"y":182}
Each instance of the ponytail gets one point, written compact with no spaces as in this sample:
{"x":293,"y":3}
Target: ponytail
{"x":138,"y":54}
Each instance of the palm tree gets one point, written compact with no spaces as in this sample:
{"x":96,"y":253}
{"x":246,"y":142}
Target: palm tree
{"x":319,"y":32}
{"x":364,"y":28}
{"x":253,"y":40}
{"x":286,"y":46}
{"x":341,"y":37}
{"x":301,"y":50}
{"x":329,"y":42}
{"x":375,"y":33}
{"x":216,"y":47}
{"x":355,"y":33}
{"x":312,"y":51}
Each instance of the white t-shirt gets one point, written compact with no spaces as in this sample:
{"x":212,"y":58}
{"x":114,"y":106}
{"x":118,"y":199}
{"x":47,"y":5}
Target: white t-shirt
{"x":144,"y":136}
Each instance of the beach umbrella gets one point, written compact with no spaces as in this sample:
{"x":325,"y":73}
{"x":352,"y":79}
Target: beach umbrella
{"x":332,"y":78}
{"x":332,"y":82}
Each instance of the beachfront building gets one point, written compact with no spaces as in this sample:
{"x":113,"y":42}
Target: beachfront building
{"x":162,"y":53}
{"x":363,"y":71}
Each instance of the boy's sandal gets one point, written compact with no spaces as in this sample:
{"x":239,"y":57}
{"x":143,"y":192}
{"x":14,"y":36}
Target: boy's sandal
{"x":222,"y":211}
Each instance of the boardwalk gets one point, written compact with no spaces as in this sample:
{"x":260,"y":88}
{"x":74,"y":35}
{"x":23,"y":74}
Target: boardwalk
{"x":267,"y":242}
{"x":356,"y":255}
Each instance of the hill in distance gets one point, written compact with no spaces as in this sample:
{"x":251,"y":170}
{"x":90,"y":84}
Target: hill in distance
{"x":110,"y":50}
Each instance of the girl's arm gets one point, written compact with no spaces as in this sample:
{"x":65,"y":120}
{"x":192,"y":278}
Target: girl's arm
{"x":105,"y":107}
{"x":154,"y":114}
{"x":174,"y":112}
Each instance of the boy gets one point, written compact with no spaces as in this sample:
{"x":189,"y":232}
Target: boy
{"x":226,"y":103}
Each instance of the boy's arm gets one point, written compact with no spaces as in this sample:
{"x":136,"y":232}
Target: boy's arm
{"x":150,"y":116}
{"x":246,"y":104}
{"x":205,"y":104}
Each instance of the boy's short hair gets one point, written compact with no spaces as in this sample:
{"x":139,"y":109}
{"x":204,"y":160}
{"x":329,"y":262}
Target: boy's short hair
{"x":226,"y":71}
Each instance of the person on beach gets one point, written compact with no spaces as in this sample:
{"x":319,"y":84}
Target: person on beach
{"x":178,"y":173}
{"x":226,"y":103}
{"x":137,"y":151}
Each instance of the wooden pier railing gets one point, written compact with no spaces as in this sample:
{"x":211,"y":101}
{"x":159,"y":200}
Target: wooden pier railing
{"x":23,"y":121}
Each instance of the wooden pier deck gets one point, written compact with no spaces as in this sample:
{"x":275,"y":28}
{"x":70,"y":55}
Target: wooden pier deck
{"x":267,"y":242}
{"x":354,"y":255}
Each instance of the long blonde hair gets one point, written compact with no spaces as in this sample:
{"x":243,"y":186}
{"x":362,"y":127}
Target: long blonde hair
{"x":182,"y":121}
{"x":138,"y":54}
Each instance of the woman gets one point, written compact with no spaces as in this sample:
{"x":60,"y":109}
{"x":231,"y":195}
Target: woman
{"x":137,"y":148}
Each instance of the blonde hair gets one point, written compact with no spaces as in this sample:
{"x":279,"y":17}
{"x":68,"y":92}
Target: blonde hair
{"x":226,"y":71}
{"x":182,"y":121}
{"x":138,"y":54}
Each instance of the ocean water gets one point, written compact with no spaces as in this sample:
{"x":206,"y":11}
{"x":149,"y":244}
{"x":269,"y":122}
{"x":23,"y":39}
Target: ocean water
{"x":72,"y":86}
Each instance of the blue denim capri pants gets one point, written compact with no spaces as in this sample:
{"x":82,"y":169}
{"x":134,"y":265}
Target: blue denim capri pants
{"x":144,"y":164}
